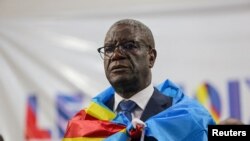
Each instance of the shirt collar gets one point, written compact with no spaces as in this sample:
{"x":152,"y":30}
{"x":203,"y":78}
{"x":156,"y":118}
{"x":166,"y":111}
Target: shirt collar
{"x":141,"y":98}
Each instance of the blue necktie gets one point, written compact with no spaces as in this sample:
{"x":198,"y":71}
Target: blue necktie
{"x":127,"y":107}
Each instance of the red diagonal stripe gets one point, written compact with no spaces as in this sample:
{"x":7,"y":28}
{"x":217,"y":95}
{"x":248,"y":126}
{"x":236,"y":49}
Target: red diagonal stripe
{"x":83,"y":125}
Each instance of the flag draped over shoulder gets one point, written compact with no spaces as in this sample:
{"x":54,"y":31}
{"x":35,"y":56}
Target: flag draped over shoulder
{"x":185,"y":120}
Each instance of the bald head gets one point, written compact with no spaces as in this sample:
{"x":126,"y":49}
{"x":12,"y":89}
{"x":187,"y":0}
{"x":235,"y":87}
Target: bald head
{"x":138,"y":27}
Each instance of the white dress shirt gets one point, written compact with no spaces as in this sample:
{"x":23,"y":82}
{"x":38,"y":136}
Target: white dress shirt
{"x":141,"y":99}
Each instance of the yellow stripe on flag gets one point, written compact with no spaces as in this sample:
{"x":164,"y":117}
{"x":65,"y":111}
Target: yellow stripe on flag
{"x":123,"y":130}
{"x":100,"y":112}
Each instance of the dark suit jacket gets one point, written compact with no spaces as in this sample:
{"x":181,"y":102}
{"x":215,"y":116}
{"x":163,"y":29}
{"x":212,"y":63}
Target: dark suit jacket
{"x":157,"y":103}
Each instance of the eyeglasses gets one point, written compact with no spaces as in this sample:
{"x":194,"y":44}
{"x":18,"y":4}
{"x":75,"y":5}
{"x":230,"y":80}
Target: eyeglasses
{"x":107,"y":52}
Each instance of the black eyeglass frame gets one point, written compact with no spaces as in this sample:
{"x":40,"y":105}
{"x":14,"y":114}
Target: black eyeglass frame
{"x":122,"y":48}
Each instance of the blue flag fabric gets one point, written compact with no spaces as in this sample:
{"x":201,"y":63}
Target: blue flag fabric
{"x":185,"y":120}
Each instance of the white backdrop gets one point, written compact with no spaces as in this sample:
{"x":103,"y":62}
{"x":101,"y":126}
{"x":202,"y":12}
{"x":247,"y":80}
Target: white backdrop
{"x":50,"y":67}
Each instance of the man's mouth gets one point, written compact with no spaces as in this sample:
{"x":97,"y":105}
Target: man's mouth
{"x":119,"y":68}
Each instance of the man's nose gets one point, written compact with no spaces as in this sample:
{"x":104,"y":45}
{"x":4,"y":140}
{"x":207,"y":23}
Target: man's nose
{"x":117,"y":53}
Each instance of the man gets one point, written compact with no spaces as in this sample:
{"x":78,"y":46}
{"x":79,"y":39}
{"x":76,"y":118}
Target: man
{"x":132,"y":108}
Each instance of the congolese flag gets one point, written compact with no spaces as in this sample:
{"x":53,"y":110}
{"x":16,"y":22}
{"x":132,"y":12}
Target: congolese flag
{"x":95,"y":124}
{"x":185,"y":120}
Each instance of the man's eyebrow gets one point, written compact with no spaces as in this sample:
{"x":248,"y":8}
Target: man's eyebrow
{"x":108,"y":44}
{"x":121,"y":42}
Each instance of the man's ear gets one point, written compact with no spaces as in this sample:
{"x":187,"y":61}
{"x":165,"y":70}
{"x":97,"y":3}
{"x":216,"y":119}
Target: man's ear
{"x":152,"y":57}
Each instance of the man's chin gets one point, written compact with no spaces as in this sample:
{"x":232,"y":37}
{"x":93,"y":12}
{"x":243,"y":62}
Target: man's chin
{"x":119,"y":80}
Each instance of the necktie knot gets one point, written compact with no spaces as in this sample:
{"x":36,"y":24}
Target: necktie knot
{"x":126,"y":107}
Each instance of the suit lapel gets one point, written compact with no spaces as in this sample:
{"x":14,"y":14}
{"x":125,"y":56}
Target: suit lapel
{"x":110,"y":103}
{"x":157,"y":103}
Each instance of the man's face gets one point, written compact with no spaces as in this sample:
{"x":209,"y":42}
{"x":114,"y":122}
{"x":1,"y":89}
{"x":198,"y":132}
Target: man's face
{"x":130,"y":69}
